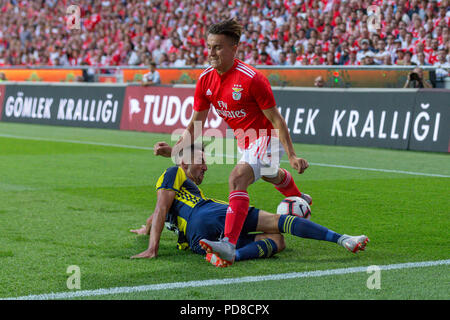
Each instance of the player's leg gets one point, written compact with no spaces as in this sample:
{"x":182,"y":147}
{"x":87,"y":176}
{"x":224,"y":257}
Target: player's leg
{"x":264,"y":245}
{"x":271,"y":223}
{"x":285,"y":184}
{"x":260,"y":246}
{"x":240,"y":178}
{"x":255,"y":162}
{"x":251,"y":245}
{"x":279,"y":177}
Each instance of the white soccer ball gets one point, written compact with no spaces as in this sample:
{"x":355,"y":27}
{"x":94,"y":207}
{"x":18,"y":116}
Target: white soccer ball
{"x":295,"y":206}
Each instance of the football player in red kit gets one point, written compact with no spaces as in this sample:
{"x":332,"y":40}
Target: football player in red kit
{"x":242,"y":96}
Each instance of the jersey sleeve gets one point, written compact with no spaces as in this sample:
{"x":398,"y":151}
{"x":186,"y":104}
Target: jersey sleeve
{"x":200,"y":101}
{"x":172,"y":179}
{"x":262,"y":92}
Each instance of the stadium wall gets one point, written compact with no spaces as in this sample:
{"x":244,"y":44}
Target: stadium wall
{"x":405,"y":119}
{"x":44,"y":75}
{"x":334,"y":76}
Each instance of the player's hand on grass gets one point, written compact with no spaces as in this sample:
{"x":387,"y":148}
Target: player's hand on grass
{"x":142,"y":230}
{"x":299,"y":164}
{"x":162,"y":149}
{"x":146,"y":254}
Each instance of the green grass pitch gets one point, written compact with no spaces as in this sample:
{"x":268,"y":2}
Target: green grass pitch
{"x":68,"y":196}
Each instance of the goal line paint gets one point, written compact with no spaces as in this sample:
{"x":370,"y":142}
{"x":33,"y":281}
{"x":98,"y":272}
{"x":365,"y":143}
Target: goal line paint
{"x":216,"y":282}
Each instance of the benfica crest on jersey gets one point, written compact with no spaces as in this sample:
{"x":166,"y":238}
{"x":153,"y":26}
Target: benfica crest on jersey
{"x":237,"y":92}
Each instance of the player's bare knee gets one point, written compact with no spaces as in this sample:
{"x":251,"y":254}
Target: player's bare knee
{"x":279,"y":240}
{"x":240,"y":178}
{"x":268,"y":222}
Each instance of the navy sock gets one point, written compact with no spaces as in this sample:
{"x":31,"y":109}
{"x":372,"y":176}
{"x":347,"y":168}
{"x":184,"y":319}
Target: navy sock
{"x":264,"y":248}
{"x":306,"y":229}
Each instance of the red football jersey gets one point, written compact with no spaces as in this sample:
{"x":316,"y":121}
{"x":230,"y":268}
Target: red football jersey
{"x":239,"y":96}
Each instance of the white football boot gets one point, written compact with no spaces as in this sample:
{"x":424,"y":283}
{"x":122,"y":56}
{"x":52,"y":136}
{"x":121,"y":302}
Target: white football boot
{"x":353,"y":243}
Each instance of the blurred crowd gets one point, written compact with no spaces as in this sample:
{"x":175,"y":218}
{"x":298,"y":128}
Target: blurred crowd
{"x":171,"y":33}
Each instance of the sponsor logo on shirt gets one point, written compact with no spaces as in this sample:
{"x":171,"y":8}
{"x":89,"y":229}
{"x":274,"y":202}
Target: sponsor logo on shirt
{"x":222,"y":110}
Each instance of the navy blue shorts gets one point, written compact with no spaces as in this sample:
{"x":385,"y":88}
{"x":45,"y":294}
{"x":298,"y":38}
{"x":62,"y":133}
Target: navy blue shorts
{"x":208,"y":222}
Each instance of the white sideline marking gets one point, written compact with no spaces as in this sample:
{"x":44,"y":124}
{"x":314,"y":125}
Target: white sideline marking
{"x":381,"y":170}
{"x":215,"y":282}
{"x":76,"y":142}
{"x":226,"y":155}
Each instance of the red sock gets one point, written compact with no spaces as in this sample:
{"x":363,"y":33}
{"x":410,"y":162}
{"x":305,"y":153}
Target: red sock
{"x":287,"y":186}
{"x":236,"y":214}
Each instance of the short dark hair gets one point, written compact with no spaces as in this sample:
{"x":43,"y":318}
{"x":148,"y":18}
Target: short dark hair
{"x":191,"y":151}
{"x":230,"y":28}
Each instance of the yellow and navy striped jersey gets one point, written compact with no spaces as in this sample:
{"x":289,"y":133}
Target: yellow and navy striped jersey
{"x":188,"y":196}
{"x":187,"y":193}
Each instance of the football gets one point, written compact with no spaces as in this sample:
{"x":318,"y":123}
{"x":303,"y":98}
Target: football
{"x":295,"y":206}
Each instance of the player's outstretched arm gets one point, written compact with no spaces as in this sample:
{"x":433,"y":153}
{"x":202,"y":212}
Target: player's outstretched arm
{"x":163,"y":204}
{"x":274,"y":116}
{"x":192,"y":132}
{"x":145,"y":228}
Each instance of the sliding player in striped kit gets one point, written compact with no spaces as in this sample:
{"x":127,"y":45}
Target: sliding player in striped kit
{"x":185,"y":209}
{"x":242,"y":96}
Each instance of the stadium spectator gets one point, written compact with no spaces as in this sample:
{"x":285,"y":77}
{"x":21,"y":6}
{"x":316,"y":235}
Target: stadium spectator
{"x":274,"y":50}
{"x":164,"y":60}
{"x":264,"y":59}
{"x":443,"y":64}
{"x":381,"y":52}
{"x":330,"y":60}
{"x":119,"y":32}
{"x":283,"y":59}
{"x":368,"y":59}
{"x":201,"y":61}
{"x":407,"y":60}
{"x":399,"y":56}
{"x":352,"y":61}
{"x":420,"y":59}
{"x":254,"y":58}
{"x":343,"y":53}
{"x":387,"y":60}
{"x":292,"y":59}
{"x":364,"y":50}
